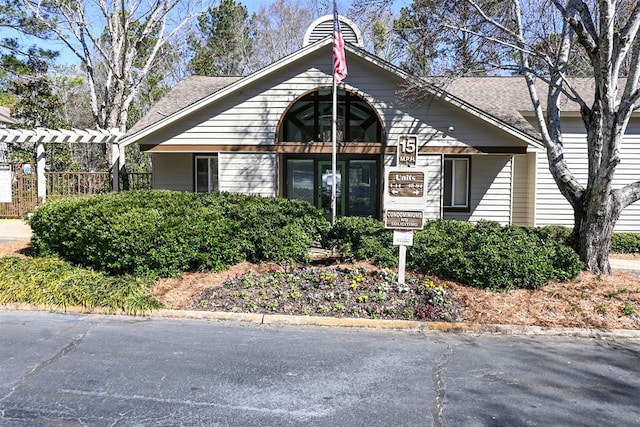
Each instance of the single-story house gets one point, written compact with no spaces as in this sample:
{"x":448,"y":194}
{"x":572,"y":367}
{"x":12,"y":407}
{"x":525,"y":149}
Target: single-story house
{"x":269,"y":133}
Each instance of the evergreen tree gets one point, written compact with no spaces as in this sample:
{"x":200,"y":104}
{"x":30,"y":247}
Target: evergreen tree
{"x":434,"y":44}
{"x":223,"y":45}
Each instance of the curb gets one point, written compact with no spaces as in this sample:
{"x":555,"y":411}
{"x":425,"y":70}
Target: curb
{"x":348,"y":322}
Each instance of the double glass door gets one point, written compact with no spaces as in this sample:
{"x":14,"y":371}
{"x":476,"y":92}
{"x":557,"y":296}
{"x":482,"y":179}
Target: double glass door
{"x":357,"y":186}
{"x":325,"y":187}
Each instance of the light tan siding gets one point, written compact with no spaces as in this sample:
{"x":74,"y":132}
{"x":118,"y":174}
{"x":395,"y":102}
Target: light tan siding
{"x":173,"y":171}
{"x":553,"y":208}
{"x":522,"y":190}
{"x":248,"y":173}
{"x":433,"y":185}
{"x":628,"y":172}
{"x":252,"y":114}
{"x":490,"y":190}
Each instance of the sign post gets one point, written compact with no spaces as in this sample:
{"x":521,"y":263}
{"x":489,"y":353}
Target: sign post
{"x":402,"y":238}
{"x":405,"y":198}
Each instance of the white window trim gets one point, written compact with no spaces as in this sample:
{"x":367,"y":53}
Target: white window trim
{"x":209,"y":172}
{"x":450,"y":204}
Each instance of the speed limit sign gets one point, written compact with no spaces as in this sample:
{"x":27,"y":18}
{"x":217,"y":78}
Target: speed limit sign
{"x":407,"y":151}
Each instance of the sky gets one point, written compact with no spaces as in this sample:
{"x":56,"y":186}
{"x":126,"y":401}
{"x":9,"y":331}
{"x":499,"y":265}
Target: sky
{"x":67,"y":57}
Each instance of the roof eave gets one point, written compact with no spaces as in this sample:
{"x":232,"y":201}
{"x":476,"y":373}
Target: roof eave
{"x":172,"y":118}
{"x":432,"y":89}
{"x":446,"y":96}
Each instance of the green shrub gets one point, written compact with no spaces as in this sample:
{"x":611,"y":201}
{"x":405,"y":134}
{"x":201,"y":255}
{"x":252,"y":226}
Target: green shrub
{"x":559,"y":233}
{"x":359,"y":238}
{"x":165,"y":232}
{"x":625,"y":243}
{"x":52,"y":282}
{"x":274,"y":229}
{"x":488,"y":255}
{"x":621,"y":243}
{"x":485,"y":255}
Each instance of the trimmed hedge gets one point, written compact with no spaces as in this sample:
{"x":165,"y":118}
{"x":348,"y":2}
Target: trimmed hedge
{"x":625,"y":243}
{"x":621,"y":242}
{"x":360,"y":238}
{"x":484,"y":255}
{"x":488,"y":255}
{"x":163,"y":233}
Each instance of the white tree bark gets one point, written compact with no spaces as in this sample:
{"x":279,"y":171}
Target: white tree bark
{"x":124,"y":36}
{"x":608,"y":43}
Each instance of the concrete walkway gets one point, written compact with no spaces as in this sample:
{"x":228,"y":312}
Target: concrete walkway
{"x":632,"y":265}
{"x":14,"y":229}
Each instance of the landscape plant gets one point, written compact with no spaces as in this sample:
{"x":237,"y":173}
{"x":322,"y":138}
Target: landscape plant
{"x":336,"y":292}
{"x":485,"y":255}
{"x":362,"y":238}
{"x":162,"y":233}
{"x":488,"y":255}
{"x":625,"y":243}
{"x":51,"y":282}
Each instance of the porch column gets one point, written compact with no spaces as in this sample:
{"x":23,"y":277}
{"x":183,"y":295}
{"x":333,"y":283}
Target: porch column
{"x":41,"y":162}
{"x":115,"y":166}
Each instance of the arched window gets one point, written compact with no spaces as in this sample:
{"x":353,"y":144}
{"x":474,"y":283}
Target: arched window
{"x":309,"y":119}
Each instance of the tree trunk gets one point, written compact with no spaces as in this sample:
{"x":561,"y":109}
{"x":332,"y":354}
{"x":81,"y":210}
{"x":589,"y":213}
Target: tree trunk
{"x":595,"y":219}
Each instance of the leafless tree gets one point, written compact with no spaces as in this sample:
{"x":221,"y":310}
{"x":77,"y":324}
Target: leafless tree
{"x":125,"y":36}
{"x":607,"y":33}
{"x":280,"y":26}
{"x":376,"y":19}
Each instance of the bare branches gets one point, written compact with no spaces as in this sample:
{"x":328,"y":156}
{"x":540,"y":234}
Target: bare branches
{"x":124,"y":37}
{"x":578,"y":15}
{"x":629,"y":194}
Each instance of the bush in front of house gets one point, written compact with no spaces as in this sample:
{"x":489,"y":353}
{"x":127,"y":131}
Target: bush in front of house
{"x":488,"y":255}
{"x":621,"y":242}
{"x":274,"y":228}
{"x":484,"y":255}
{"x":559,"y":233}
{"x":166,"y":232}
{"x":363,"y":238}
{"x":625,"y":243}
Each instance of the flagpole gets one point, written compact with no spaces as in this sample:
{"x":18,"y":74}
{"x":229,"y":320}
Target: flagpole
{"x":339,"y":73}
{"x":334,"y":150}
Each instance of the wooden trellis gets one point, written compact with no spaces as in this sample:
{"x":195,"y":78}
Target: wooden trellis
{"x":39,"y":137}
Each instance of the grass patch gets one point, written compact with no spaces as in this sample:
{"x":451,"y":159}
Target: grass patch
{"x":51,"y":282}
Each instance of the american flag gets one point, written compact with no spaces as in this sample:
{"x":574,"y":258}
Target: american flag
{"x":339,"y":61}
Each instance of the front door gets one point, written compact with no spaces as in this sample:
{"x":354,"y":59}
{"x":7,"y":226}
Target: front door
{"x":325,"y":180}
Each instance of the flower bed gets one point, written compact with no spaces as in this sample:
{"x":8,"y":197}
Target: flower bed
{"x":336,"y":292}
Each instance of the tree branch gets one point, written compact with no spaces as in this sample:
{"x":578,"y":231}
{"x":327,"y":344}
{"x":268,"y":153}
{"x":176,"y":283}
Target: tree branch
{"x":584,"y":28}
{"x":624,"y":40}
{"x":629,"y":194}
{"x":558,"y":167}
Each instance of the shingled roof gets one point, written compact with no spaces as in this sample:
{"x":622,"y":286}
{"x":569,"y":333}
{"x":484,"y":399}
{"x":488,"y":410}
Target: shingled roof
{"x":186,"y":92}
{"x":504,"y":98}
{"x":507,"y":98}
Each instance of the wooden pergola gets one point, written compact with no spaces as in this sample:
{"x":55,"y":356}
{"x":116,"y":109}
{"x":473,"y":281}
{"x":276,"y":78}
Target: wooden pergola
{"x":39,"y":137}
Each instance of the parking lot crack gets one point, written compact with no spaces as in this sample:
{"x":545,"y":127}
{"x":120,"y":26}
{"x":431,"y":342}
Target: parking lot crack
{"x":437,"y":410}
{"x":25,"y":378}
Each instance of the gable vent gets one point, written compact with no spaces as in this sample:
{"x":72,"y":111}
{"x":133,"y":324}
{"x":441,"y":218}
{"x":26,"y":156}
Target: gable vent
{"x":323,"y":27}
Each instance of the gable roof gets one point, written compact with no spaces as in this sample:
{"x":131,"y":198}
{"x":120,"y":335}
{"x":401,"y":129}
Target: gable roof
{"x":185,"y":93}
{"x":510,"y":93}
{"x":194,"y":93}
{"x":502,"y":97}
